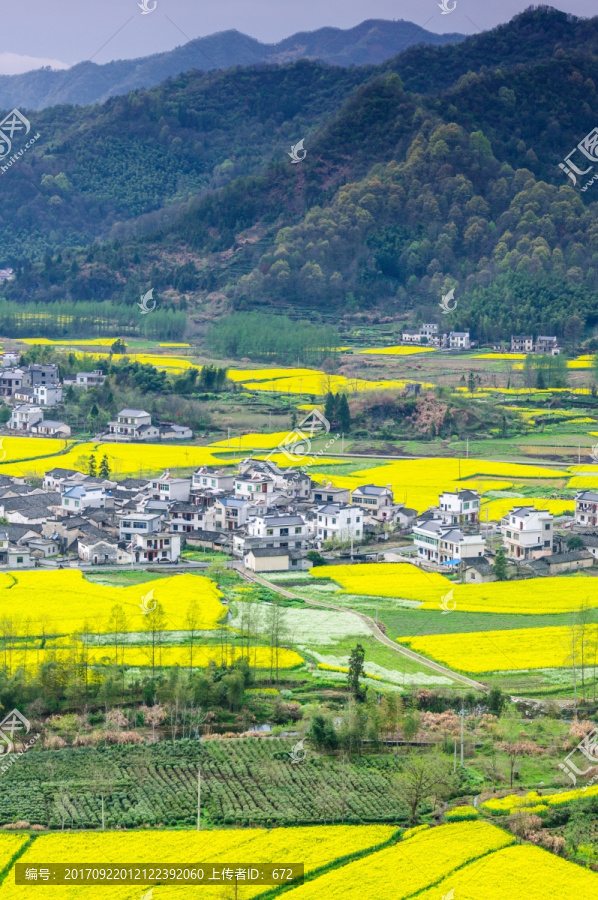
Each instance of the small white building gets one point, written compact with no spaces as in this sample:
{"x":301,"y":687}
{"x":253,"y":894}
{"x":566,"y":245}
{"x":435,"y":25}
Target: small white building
{"x":527,"y":533}
{"x":87,"y":380}
{"x":187,"y":517}
{"x":254,"y":487}
{"x":444,"y":544}
{"x":24,"y":417}
{"x":10,"y":358}
{"x":207,"y":478}
{"x":337,"y":522}
{"x":459,"y":507}
{"x":586,"y":509}
{"x":459,"y":340}
{"x":275,"y":560}
{"x":47,"y":394}
{"x":522,"y":343}
{"x":156,"y":547}
{"x":377,"y":501}
{"x":292,"y":531}
{"x":169,"y":488}
{"x":51,"y":428}
{"x":133,"y":425}
{"x":81,"y":496}
{"x":229,"y":513}
{"x":411,"y":337}
{"x":130,"y":524}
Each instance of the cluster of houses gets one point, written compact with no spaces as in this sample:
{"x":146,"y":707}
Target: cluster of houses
{"x":32,"y":390}
{"x":451,"y":535}
{"x":429,"y":335}
{"x":264,"y":515}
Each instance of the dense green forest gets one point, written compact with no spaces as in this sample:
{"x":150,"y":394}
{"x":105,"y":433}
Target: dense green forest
{"x":401,"y":196}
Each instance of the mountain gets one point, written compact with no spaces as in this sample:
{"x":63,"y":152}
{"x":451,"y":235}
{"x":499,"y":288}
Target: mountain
{"x":401,"y":195}
{"x":370,"y":43}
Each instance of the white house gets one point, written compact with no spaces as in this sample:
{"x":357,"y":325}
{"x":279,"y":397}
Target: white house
{"x":547,"y":344}
{"x":133,"y":425}
{"x":527,"y":533}
{"x":411,"y":337}
{"x":522,"y":343}
{"x":445,"y":544}
{"x":377,"y":501}
{"x":47,"y":394}
{"x":247,"y":487}
{"x":10,"y":359}
{"x":459,"y":340}
{"x":51,"y":428}
{"x":138,"y":523}
{"x":229,"y":513}
{"x":90,"y":379}
{"x":291,"y":531}
{"x":170,"y":432}
{"x":337,"y":522}
{"x":156,"y":547}
{"x":459,"y":507}
{"x":274,"y":560}
{"x":81,"y":496}
{"x":169,"y":488}
{"x":586,"y":509}
{"x":213,"y":479}
{"x":187,"y":517}
{"x":328,"y":494}
{"x":56,"y":478}
{"x":23,"y":417}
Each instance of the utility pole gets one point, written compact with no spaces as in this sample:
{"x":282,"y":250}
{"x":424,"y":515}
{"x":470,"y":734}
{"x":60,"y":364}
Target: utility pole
{"x":467,"y":450}
{"x":455,"y":757}
{"x":462,"y":727}
{"x":198,"y":797}
{"x":343,"y":442}
{"x":228,"y":441}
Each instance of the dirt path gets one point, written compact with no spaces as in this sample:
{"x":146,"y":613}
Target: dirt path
{"x":379,"y":635}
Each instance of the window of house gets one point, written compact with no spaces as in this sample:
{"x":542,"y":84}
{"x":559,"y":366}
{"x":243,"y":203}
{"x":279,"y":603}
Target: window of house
{"x":298,"y":530}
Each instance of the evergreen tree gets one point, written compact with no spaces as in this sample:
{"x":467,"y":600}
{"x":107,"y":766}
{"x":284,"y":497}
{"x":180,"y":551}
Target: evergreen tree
{"x":344,"y":414}
{"x":500,"y":565}
{"x":93,"y":469}
{"x":329,"y":407}
{"x":104,"y":467}
{"x":356,"y":672}
{"x":471,"y":382}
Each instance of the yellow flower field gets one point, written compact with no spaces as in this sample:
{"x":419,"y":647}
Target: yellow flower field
{"x":13,"y":448}
{"x":512,"y":650}
{"x":418,"y":482}
{"x":408,"y":867}
{"x":408,"y":582}
{"x":533,"y":800}
{"x":516,"y":872}
{"x":399,"y":350}
{"x":9,"y":845}
{"x":499,"y":508}
{"x":319,"y":384}
{"x":499,"y":356}
{"x":314,"y":846}
{"x":60,"y":601}
{"x":162,"y":656}
{"x":140,"y":460}
{"x":253,"y":441}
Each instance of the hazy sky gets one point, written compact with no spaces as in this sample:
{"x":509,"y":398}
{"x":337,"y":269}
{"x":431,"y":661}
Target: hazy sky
{"x":62,"y":32}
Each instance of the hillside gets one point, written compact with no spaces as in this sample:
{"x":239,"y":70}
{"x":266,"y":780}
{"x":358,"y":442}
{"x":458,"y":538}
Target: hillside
{"x":370,"y":43}
{"x":400,"y":197}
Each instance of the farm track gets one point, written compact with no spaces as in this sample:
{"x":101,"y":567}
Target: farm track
{"x":379,"y":635}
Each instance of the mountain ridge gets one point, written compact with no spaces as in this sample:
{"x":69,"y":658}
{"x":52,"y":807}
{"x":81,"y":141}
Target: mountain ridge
{"x":369,"y":43}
